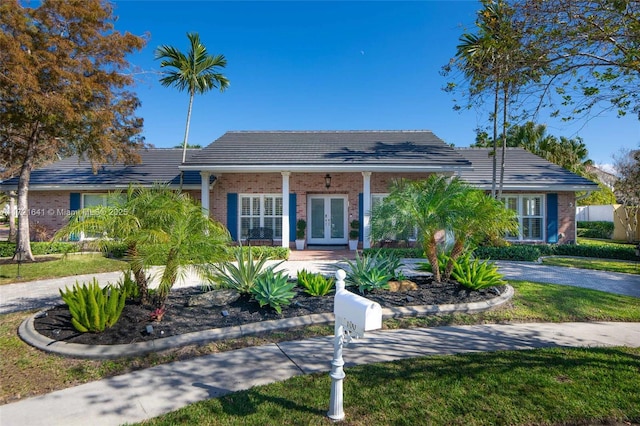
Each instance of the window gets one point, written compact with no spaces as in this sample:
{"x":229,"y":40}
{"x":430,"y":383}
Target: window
{"x":261,"y":211}
{"x":409,"y":234}
{"x":529,"y":209}
{"x":93,"y":200}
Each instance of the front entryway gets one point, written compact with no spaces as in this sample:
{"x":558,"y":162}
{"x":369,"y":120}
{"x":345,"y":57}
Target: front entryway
{"x":327,"y":219}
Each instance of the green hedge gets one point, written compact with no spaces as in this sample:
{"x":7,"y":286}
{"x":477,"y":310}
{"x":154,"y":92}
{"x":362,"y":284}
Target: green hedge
{"x":598,"y":229}
{"x":411,"y":253}
{"x":530,"y":253}
{"x":8,"y":249}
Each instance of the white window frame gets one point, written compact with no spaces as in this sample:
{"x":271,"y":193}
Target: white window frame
{"x":520,"y":207}
{"x":261,"y":216}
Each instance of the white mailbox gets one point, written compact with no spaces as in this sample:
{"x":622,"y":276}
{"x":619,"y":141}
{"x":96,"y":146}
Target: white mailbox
{"x":356,"y":314}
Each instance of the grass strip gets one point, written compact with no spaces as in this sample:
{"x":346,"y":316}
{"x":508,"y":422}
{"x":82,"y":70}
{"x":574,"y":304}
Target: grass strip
{"x":64,"y":266}
{"x":544,"y":386}
{"x":591,"y":263}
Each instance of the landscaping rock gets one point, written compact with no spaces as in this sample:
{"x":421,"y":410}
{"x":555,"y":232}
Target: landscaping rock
{"x":214,"y":298}
{"x":404,"y":285}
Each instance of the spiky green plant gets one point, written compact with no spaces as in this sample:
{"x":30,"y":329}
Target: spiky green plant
{"x":476,"y":274}
{"x":273,"y":289}
{"x":315,"y":284}
{"x":242,"y":274}
{"x":369,"y":272}
{"x":92,"y":308}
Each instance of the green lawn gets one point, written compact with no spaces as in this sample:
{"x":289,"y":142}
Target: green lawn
{"x":542,"y":387}
{"x":69,"y":265}
{"x":591,"y":263}
{"x":598,"y":242}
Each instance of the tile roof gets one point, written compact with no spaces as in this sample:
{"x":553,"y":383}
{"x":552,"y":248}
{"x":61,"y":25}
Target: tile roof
{"x":297,"y":150}
{"x":523,"y":170}
{"x":157,"y":165}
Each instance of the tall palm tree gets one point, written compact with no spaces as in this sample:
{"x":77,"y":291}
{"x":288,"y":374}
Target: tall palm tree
{"x":196,"y":72}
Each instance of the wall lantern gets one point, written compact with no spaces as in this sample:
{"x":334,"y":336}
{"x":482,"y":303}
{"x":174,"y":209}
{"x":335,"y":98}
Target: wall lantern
{"x":327,"y":180}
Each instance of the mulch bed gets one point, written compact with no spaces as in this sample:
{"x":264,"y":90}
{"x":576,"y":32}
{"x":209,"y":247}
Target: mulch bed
{"x":180,"y":319}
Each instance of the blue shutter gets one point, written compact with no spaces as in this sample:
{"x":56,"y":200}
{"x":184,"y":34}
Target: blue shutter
{"x":292,"y":217}
{"x":232,"y":215}
{"x":74,"y":201}
{"x":361,"y":216}
{"x":552,"y":218}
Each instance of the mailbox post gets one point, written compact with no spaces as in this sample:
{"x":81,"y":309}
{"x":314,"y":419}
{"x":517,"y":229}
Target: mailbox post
{"x":354,"y":315}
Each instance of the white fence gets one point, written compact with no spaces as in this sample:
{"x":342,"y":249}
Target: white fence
{"x":602,"y":213}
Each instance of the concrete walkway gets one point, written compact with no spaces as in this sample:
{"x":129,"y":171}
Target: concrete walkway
{"x":151,"y":392}
{"x":45,"y":293}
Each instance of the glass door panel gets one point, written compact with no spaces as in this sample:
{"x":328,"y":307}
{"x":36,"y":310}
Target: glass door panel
{"x":317,"y":218}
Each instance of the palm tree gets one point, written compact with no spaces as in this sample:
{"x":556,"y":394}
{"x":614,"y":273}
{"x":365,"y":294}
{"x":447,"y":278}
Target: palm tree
{"x":196,"y":72}
{"x":159,"y":226}
{"x":479,"y":217}
{"x":426,"y":205}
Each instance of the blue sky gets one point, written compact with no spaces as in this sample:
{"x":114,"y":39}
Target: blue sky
{"x":323,"y":66}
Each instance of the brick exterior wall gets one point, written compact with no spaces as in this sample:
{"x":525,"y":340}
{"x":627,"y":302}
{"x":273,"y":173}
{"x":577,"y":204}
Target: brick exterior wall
{"x":49,"y":209}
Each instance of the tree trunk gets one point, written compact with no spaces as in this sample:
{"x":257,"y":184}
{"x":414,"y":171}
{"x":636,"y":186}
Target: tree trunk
{"x":456,"y":251}
{"x":23,"y":244}
{"x":169,"y":277}
{"x":13,"y":232}
{"x":432,"y":256}
{"x":495,"y":142}
{"x":138,"y":272}
{"x":186,"y":130}
{"x":505,"y":91}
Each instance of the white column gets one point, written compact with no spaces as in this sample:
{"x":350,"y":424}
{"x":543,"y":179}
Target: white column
{"x":366,"y":209}
{"x":285,"y":209}
{"x":204,"y":192}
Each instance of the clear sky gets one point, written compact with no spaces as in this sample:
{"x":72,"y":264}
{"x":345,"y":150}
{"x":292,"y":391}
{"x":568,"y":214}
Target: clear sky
{"x":328,"y":65}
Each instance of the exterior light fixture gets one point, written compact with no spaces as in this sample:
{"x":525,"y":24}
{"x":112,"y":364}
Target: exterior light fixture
{"x":327,"y":180}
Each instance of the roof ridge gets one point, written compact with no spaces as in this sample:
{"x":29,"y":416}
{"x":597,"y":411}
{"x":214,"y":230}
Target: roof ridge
{"x":329,"y":131}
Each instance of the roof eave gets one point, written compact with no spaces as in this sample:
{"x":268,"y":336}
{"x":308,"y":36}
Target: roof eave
{"x":323,"y":168}
{"x":97,"y":187}
{"x":539,"y":187}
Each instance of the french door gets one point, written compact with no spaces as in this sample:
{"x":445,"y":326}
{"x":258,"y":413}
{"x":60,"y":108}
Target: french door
{"x":327,"y":219}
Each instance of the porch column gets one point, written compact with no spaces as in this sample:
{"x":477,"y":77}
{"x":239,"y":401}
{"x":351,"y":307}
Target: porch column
{"x":285,"y":209}
{"x":366,"y":209}
{"x":204,"y":192}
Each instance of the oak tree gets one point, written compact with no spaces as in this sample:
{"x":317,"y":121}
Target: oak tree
{"x":64,"y":90}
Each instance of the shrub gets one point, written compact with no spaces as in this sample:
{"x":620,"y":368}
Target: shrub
{"x":408,"y":253}
{"x":443,"y":259}
{"x":529,"y":253}
{"x":8,"y":249}
{"x":476,"y":274}
{"x":315,"y":284}
{"x":621,"y":252}
{"x":369,"y":272}
{"x":127,"y":284}
{"x":93,"y":309}
{"x":273,"y":289}
{"x":279,"y":253}
{"x":597,"y":229}
{"x":243,"y":275}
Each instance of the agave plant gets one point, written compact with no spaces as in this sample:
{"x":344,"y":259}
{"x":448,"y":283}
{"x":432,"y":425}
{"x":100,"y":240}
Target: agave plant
{"x":476,"y":274}
{"x":243,"y":273}
{"x":315,"y":284}
{"x":273,"y":289}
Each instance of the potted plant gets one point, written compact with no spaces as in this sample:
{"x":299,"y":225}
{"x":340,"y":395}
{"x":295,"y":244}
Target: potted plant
{"x":354,"y":233}
{"x":301,"y":232}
